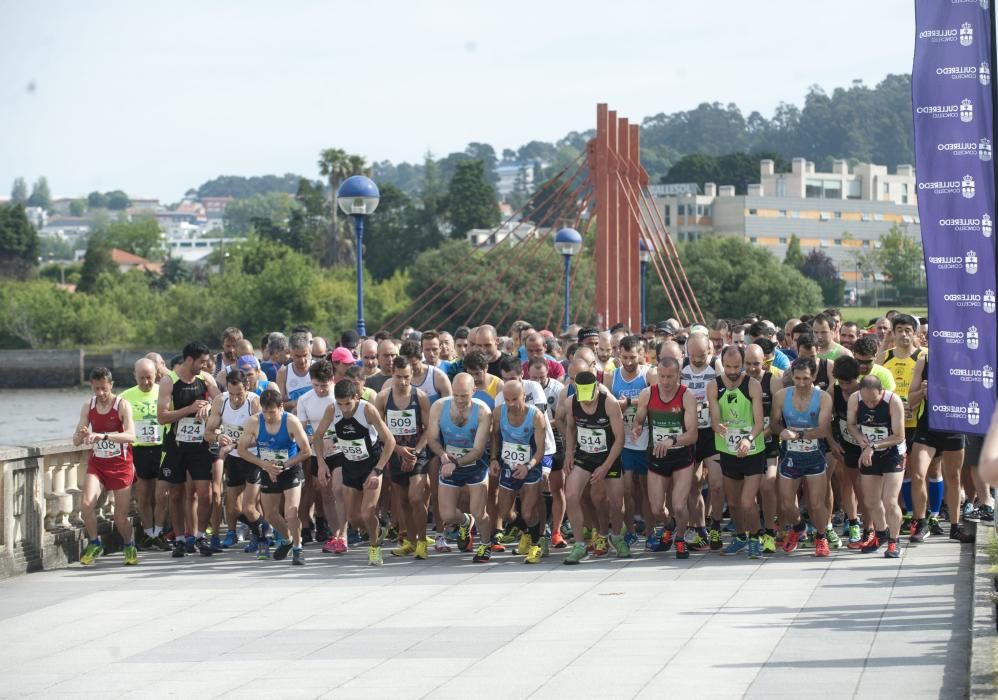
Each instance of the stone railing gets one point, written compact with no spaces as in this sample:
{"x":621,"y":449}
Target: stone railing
{"x":40,"y":506}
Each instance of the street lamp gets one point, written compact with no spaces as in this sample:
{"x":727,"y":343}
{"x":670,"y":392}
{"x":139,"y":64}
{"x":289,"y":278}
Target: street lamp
{"x":358,"y":196}
{"x":644,"y":256}
{"x":568,"y":242}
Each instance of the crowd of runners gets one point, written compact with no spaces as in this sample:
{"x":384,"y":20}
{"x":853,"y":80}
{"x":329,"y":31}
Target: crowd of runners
{"x":737,"y":437}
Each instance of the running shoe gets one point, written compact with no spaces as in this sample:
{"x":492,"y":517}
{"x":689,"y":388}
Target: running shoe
{"x":404,"y":550}
{"x":577,"y":554}
{"x":558,"y":541}
{"x":495,"y":545}
{"x":159,"y":542}
{"x":893,"y":550}
{"x":179,"y":549}
{"x":588,"y":533}
{"x":440,"y":545}
{"x":131,"y":555}
{"x":921,"y":531}
{"x":821,"y":547}
{"x":630,"y":538}
{"x":754,"y":548}
{"x":142,"y":540}
{"x":715,"y":539}
{"x":526,"y":542}
{"x":297,"y":557}
{"x":511,"y":534}
{"x":340,"y":545}
{"x":862,"y":541}
{"x":934,"y":527}
{"x":263,"y":551}
{"x":736,"y":545}
{"x":653,"y":543}
{"x":545,"y":546}
{"x":969,"y":511}
{"x":353,"y":537}
{"x":699,"y":543}
{"x":534,"y":555}
{"x":960,"y":535}
{"x":768,"y":543}
{"x":374,"y":556}
{"x":482,"y":554}
{"x":855,"y":535}
{"x":216,"y":545}
{"x":791,"y":541}
{"x":600,"y":547}
{"x":306,"y":535}
{"x":392,"y":535}
{"x":872,"y":544}
{"x":639,"y":525}
{"x":204,"y":547}
{"x":834,"y":541}
{"x":330,"y":546}
{"x":251,"y":547}
{"x":281,"y":552}
{"x":230,"y":539}
{"x":907,"y":521}
{"x":90,"y":554}
{"x":667,"y":538}
{"x":681,"y":550}
{"x":421,"y":549}
{"x":190,"y":544}
{"x":464,"y":535}
{"x":986,"y":514}
{"x":781,"y":535}
{"x":450,"y":534}
{"x":620,"y":546}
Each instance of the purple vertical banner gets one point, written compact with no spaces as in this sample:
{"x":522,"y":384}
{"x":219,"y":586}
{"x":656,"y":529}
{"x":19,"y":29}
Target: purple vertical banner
{"x":953,"y":104}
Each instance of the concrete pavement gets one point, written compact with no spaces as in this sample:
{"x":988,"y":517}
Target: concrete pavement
{"x":651,"y":627}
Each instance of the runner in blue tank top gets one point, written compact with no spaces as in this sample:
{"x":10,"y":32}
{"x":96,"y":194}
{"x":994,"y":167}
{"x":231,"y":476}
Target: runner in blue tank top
{"x":458,"y":433}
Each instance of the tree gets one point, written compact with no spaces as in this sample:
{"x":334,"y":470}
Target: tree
{"x":117,"y":200}
{"x":397,"y":233}
{"x":96,"y":262}
{"x":77,"y":207}
{"x":334,"y":165}
{"x":241,"y":214}
{"x":485,"y":153}
{"x":243,"y":187}
{"x":19,"y":191}
{"x":820,"y":268}
{"x":794,"y":257}
{"x":900,"y":256}
{"x":140,"y":237}
{"x":18,"y":242}
{"x":40,"y":194}
{"x":96,"y":200}
{"x":471,"y":200}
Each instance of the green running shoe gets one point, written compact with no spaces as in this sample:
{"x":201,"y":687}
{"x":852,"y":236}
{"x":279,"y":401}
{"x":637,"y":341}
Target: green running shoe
{"x":855,"y":533}
{"x":834,"y":541}
{"x":577,"y":554}
{"x":131,"y":555}
{"x":545,"y":546}
{"x":90,"y":554}
{"x":620,"y":546}
{"x":768,"y":543}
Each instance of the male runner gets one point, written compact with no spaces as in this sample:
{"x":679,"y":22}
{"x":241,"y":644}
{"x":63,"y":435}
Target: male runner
{"x":823,"y":327}
{"x":387,"y":352}
{"x":844,"y":449}
{"x":293,"y":379}
{"x":769,"y":487}
{"x":698,"y":373}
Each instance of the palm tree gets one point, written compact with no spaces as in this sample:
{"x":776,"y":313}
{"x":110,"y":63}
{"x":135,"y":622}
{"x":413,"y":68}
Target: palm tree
{"x":334,"y":165}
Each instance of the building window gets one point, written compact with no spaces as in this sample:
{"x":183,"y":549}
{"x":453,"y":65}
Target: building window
{"x":794,"y":214}
{"x":887,"y":188}
{"x":783,"y":212}
{"x":865,"y":217}
{"x":754,"y":241}
{"x":824,"y":216}
{"x":753,"y":212}
{"x":855,"y":190}
{"x":783,"y":241}
{"x":837,"y":241}
{"x":878,"y":217}
{"x":838,"y":215}
{"x":699,"y":210}
{"x":813,"y":188}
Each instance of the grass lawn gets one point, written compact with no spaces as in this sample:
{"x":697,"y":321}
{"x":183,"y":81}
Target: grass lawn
{"x":863,"y":314}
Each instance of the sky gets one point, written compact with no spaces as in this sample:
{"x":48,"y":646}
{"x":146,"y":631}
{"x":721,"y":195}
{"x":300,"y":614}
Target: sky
{"x":156,"y":98}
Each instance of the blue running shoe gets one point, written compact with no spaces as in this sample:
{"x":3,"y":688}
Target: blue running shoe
{"x":353,"y":537}
{"x":653,"y":543}
{"x":754,"y":548}
{"x":230,"y":539}
{"x":630,"y":538}
{"x":251,"y":547}
{"x":189,"y":544}
{"x":735,"y":546}
{"x":216,"y":544}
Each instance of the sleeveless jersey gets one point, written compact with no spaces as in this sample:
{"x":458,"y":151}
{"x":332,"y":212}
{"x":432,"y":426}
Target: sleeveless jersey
{"x":622,"y":388}
{"x":697,"y":383}
{"x":428,"y":385}
{"x":903,"y":369}
{"x":275,"y":447}
{"x":295,"y":385}
{"x":406,"y":423}
{"x":735,"y":409}
{"x":108,"y":453}
{"x":518,"y":442}
{"x":356,"y":437}
{"x":189,"y":430}
{"x":593,"y":435}
{"x":666,"y":419}
{"x":875,"y":423}
{"x":767,"y":402}
{"x":799,"y":420}
{"x":840,"y":420}
{"x":148,"y":431}
{"x":459,"y":440}
{"x":233,"y":419}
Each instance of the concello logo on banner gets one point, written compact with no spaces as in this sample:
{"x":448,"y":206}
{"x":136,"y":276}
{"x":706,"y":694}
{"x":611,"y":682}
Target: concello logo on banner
{"x":971,"y":338}
{"x":984,"y":376}
{"x":983,"y":3}
{"x":984,"y":301}
{"x":966,"y":187}
{"x":964,"y":34}
{"x":970,"y":413}
{"x":964,"y":110}
{"x":968,"y":262}
{"x":984,"y":225}
{"x":982,"y":149}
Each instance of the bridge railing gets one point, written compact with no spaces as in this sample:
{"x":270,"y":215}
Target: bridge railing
{"x":40,"y":493}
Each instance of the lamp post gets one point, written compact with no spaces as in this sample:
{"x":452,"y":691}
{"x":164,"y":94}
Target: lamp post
{"x":358,"y":196}
{"x":568,"y":242}
{"x":644,"y":256}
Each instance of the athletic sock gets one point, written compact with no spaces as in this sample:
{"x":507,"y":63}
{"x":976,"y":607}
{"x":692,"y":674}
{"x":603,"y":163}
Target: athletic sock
{"x":853,"y":521}
{"x":702,"y":531}
{"x":255,"y":529}
{"x":535,"y":533}
{"x":937,"y":489}
{"x":96,"y":541}
{"x":906,"y":495}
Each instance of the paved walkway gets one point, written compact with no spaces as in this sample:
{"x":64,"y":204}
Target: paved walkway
{"x":651,"y":627}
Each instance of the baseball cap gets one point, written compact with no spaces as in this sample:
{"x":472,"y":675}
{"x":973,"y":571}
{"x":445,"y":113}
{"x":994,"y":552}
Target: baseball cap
{"x":586,"y":386}
{"x":349,"y":339}
{"x":342,"y":355}
{"x":587,"y":333}
{"x":666,"y":328}
{"x":699,"y":329}
{"x":246,"y":362}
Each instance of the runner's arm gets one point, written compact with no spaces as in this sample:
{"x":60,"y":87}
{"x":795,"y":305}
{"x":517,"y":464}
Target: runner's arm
{"x":432,"y":433}
{"x":691,"y":422}
{"x":442,"y":383}
{"x":320,"y":432}
{"x":82,"y":425}
{"x":617,"y":426}
{"x":917,"y":389}
{"x":387,"y":439}
{"x":127,"y":434}
{"x":301,"y":438}
{"x":214,"y":421}
{"x":824,"y":429}
{"x":424,"y":411}
{"x":481,"y":437}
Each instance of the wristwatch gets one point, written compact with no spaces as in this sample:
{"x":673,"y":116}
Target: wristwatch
{"x":378,"y":472}
{"x":105,"y":437}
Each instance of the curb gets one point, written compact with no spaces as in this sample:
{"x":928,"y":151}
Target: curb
{"x":984,"y":620}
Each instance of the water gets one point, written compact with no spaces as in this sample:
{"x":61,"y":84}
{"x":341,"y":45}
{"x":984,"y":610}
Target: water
{"x":31,"y":415}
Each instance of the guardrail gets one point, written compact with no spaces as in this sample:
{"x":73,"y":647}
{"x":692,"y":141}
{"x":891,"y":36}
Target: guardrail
{"x":40,"y":494}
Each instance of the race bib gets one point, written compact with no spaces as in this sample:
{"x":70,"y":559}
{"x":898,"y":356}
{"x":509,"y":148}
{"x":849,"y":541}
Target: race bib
{"x":592,"y":440}
{"x":272,"y":455}
{"x":148,"y":431}
{"x":873,"y":434}
{"x":190,"y":430}
{"x":802,"y":445}
{"x":733,"y":437}
{"x":232,"y":431}
{"x":330,"y":443}
{"x":629,"y":414}
{"x":703,"y":415}
{"x":107,"y":449}
{"x":908,"y":415}
{"x":457,"y":453}
{"x":765,"y":422}
{"x":514,"y":453}
{"x":846,"y":435}
{"x":402,"y":422}
{"x":663,"y":435}
{"x":354,"y":450}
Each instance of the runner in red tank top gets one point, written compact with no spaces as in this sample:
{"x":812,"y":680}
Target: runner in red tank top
{"x":106,"y":425}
